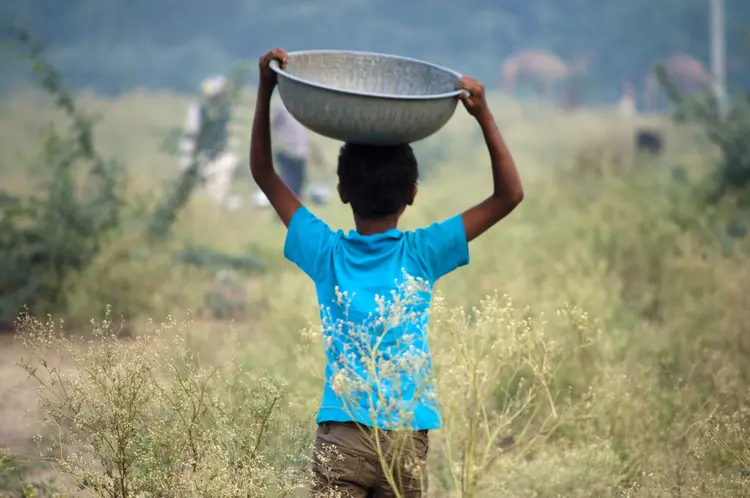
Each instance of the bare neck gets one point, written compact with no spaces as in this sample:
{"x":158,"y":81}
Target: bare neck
{"x":375,"y":226}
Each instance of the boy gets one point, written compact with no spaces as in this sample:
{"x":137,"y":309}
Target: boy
{"x":379,"y":183}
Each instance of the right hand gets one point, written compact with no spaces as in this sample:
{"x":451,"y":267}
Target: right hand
{"x":267,"y":75}
{"x":474,"y":101}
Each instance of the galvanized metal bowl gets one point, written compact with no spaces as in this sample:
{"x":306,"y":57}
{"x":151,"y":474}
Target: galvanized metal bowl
{"x":367,"y":98}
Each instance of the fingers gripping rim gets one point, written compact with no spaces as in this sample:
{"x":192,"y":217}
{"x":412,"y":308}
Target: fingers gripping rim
{"x":465,"y":92}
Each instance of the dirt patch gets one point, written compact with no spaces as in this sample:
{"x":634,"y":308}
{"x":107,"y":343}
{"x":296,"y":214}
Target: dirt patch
{"x":20,"y":419}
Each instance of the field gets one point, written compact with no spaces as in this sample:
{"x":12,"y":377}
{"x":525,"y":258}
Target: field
{"x":606,"y":287}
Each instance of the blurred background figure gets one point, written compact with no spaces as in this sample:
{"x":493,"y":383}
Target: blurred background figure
{"x":293,"y":148}
{"x":293,"y":153}
{"x":627,"y":100}
{"x":207,"y":139}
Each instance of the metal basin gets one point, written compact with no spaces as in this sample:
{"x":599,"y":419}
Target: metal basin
{"x":367,"y":98}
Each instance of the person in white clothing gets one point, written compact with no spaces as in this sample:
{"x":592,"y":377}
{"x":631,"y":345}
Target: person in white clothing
{"x":206,"y":138}
{"x":627,"y":100}
{"x":293,"y":151}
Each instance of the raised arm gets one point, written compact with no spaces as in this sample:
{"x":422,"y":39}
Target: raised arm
{"x":507,"y":190}
{"x":280,"y":196}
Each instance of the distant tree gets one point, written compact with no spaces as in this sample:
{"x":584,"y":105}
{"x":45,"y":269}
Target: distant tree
{"x":78,"y":207}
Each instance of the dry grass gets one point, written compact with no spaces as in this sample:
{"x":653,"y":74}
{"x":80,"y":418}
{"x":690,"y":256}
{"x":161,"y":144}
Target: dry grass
{"x":595,"y":232}
{"x":17,"y":400}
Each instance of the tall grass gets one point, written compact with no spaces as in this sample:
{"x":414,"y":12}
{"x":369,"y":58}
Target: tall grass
{"x":597,"y":344}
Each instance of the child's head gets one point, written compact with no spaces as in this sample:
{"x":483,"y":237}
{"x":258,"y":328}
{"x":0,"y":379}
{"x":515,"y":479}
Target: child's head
{"x":378,"y":181}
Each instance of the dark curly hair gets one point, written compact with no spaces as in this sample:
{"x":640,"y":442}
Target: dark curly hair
{"x":377,"y":180}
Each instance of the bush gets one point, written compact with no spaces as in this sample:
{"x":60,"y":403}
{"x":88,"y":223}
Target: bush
{"x":17,"y":480}
{"x":147,"y":416}
{"x":648,"y":387}
{"x":504,"y":395}
{"x":79,"y":242}
{"x":45,"y":236}
{"x":729,"y":185}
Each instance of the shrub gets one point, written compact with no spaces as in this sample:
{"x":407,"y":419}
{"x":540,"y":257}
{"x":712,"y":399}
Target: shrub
{"x":497,"y":369}
{"x":729,"y":184}
{"x":147,"y":416}
{"x":17,"y":480}
{"x":78,"y":242}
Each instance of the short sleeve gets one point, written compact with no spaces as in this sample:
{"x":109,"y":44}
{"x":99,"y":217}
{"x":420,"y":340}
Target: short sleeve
{"x":308,"y":243}
{"x":442,"y":247}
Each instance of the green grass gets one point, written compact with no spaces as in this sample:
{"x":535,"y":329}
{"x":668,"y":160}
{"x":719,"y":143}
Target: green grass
{"x":598,"y":230}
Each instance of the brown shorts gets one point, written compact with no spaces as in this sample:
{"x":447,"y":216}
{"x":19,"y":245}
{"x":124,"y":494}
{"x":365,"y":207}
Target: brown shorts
{"x":347,"y":461}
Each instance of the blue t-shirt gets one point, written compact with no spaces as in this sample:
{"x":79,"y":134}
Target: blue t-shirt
{"x":378,"y":367}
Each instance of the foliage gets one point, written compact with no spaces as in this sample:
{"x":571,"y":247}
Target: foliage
{"x":80,"y":212}
{"x":497,"y":375}
{"x":729,"y":185}
{"x":15,"y":478}
{"x":503,"y":397}
{"x":149,"y":417}
{"x":658,"y":301}
{"x":47,"y":235}
{"x":205,"y":257}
